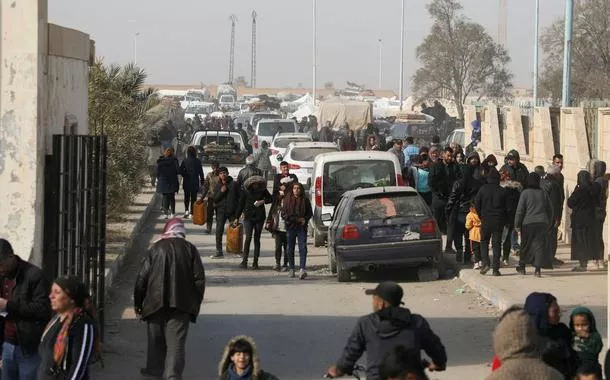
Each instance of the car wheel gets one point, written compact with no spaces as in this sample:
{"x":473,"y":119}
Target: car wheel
{"x":343,"y":275}
{"x":318,"y":238}
{"x":332,"y":263}
{"x":427,"y":273}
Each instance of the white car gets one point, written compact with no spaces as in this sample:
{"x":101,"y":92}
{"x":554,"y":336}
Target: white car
{"x":300,"y":157}
{"x":201,"y":109}
{"x":456,"y":136}
{"x":267,"y":128}
{"x":226,"y":147}
{"x":281,"y":142}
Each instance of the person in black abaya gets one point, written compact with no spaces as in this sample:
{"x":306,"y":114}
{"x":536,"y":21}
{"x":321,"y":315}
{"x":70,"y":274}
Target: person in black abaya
{"x":582,"y":201}
{"x":533,"y":218}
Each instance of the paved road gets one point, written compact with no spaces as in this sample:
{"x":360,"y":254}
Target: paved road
{"x":300,"y":325}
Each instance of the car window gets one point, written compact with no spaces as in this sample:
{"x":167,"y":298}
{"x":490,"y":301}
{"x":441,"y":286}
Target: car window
{"x":259,"y":117}
{"x":339,"y":210}
{"x":283,"y":143}
{"x":227,"y":98}
{"x":309,"y":154}
{"x":380,"y":206}
{"x":270,"y":129}
{"x":339,"y":177}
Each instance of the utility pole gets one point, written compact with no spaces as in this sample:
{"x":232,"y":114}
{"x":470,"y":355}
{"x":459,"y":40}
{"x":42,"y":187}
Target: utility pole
{"x":402,"y":51}
{"x":503,"y":23}
{"x":233,"y":20}
{"x":566,"y":93}
{"x":536,"y":49}
{"x":135,"y":48}
{"x":380,"y":63}
{"x":253,"y":62}
{"x":314,"y":51}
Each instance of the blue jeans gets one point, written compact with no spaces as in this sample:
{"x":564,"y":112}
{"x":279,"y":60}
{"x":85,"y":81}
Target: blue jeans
{"x":16,"y":365}
{"x":294,"y":234}
{"x":514,"y":240}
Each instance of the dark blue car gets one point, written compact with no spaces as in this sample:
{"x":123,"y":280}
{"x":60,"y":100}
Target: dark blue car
{"x":383,"y":227}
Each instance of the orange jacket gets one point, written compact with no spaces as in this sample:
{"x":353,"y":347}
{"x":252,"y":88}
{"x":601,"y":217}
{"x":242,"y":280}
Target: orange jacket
{"x":473,"y":225}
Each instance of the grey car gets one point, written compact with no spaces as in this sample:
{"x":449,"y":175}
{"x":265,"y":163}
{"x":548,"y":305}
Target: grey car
{"x":383,"y":227}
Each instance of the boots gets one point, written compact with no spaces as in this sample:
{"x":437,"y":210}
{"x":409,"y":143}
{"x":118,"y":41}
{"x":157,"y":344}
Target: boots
{"x":255,"y":263}
{"x":244,"y":263}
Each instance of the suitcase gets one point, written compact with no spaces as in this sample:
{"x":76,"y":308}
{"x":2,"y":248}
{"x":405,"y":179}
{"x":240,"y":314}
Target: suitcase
{"x":200,"y":212}
{"x":235,"y":239}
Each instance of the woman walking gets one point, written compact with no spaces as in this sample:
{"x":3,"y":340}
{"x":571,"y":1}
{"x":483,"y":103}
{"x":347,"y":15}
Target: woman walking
{"x":252,"y":204}
{"x":192,"y":179}
{"x":276,"y":225}
{"x":582,"y":201}
{"x":167,"y":181}
{"x":263,"y":163}
{"x":533,"y":217}
{"x":70,"y":338}
{"x":296,"y":211}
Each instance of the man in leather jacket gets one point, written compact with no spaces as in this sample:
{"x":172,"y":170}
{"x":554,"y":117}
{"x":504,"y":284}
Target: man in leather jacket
{"x":25,"y":300}
{"x":167,"y":295}
{"x":250,"y":170}
{"x":389,"y":325}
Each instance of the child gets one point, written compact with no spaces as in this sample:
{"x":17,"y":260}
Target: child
{"x":586,"y":341}
{"x":588,"y":372}
{"x":473,"y":225}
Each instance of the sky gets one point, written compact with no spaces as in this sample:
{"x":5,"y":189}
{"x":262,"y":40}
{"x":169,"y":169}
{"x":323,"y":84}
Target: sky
{"x":187,"y":41}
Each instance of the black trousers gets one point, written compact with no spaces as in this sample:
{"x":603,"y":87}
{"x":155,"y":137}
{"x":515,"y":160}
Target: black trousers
{"x":461,"y":239}
{"x":169,"y":203}
{"x":189,"y":200}
{"x":281,"y":242}
{"x":210,"y":216}
{"x":491,"y":232}
{"x":476,"y":250}
{"x":221,"y":220}
{"x":253,"y":228}
{"x":167,"y":333}
{"x":438,"y":210}
{"x":507,"y":243}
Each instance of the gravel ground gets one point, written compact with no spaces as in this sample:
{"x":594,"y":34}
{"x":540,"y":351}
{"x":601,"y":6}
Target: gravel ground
{"x":300,"y":325}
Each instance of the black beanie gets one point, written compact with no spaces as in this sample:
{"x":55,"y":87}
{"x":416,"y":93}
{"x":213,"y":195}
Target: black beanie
{"x":74,"y":288}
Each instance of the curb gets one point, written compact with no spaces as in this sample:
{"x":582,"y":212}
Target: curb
{"x":125,"y":250}
{"x":487,"y":289}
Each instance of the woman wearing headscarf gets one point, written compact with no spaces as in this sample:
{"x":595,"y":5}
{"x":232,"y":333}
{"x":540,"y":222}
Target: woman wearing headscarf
{"x":513,"y":192}
{"x":556,"y":338}
{"x":296,"y":212}
{"x":582,"y":201}
{"x":533,"y":218}
{"x":70,"y":337}
{"x":167,"y":181}
{"x":191,"y":171}
{"x":349,"y":142}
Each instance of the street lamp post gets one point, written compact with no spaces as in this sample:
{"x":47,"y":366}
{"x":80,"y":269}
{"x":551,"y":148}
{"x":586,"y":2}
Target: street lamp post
{"x":135,"y":48}
{"x":380,"y":64}
{"x":314,"y":52}
{"x":567,"y":56}
{"x":536,"y":48}
{"x":402,"y":51}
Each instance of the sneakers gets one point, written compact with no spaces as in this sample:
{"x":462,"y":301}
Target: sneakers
{"x":579,"y":269}
{"x":284,"y":269}
{"x":484,"y":269}
{"x":291,"y":273}
{"x":505,"y":263}
{"x":218,"y":255}
{"x":520,"y":269}
{"x":255,"y":265}
{"x":496,"y":273}
{"x":186,"y":215}
{"x":302,"y":274}
{"x":477,"y":266}
{"x":243,"y":264}
{"x":165,"y":216}
{"x":172,"y":216}
{"x":277,"y":267}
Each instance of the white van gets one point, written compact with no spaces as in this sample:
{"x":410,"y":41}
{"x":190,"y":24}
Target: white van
{"x":335,"y":173}
{"x":266,"y":129}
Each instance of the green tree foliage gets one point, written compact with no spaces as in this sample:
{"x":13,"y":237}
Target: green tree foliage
{"x":460,"y":58}
{"x":117,"y":105}
{"x":590,"y":53}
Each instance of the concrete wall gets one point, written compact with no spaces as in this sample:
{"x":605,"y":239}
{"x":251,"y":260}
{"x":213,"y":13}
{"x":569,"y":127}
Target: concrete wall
{"x":22,"y":81}
{"x":43,"y":88}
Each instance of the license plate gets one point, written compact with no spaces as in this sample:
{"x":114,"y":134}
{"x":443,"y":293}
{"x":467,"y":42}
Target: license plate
{"x":390,"y":231}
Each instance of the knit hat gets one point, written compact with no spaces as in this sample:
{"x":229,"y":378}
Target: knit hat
{"x":74,"y":288}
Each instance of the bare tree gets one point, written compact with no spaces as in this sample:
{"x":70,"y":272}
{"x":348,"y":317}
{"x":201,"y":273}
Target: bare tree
{"x":590,"y":53}
{"x":460,"y":58}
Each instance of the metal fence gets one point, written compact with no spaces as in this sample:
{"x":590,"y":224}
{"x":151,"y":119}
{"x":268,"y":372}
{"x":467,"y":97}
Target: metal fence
{"x":75,"y":212}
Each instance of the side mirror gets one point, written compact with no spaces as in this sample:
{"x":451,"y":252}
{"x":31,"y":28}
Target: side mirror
{"x":279,"y":157}
{"x":327,"y":217}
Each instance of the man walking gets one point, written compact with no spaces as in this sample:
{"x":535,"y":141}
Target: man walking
{"x":410,"y":150}
{"x":225,"y":201}
{"x":168,"y":294}
{"x":278,"y":185}
{"x":24,"y":297}
{"x":389,"y":325}
{"x":396,"y":150}
{"x":209,"y":191}
{"x":250,"y":170}
{"x":443,"y":175}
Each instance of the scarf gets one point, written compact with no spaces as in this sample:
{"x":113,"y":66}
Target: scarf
{"x":61,"y":342}
{"x":232,"y":375}
{"x":174,"y":228}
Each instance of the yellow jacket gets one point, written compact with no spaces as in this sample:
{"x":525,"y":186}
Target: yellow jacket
{"x":473,"y":225}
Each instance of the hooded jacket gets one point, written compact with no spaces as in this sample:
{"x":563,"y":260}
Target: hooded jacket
{"x":192,"y":174}
{"x":247,"y":172}
{"x":442,"y":177}
{"x":378,"y":333}
{"x":490,"y":201}
{"x":171,"y":276}
{"x":167,"y":175}
{"x":463,"y":192}
{"x":519,"y":172}
{"x":587,"y":349}
{"x":251,"y":195}
{"x":226,"y":202}
{"x":514,"y":342}
{"x":513,"y":192}
{"x":583,"y":201}
{"x":225,"y":361}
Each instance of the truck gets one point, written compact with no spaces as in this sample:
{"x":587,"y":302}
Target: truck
{"x":227,"y":97}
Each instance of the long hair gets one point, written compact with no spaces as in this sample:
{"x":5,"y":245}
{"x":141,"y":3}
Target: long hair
{"x":191,"y":152}
{"x":294,"y":206}
{"x":168,"y":152}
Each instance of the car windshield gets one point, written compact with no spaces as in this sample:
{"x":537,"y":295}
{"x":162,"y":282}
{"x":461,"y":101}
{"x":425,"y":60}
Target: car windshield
{"x":269,"y":129}
{"x":399,"y":130}
{"x":309,"y":154}
{"x":211,"y":140}
{"x":194,"y":110}
{"x":227,"y":98}
{"x":258,"y":117}
{"x":283,"y":143}
{"x":381,"y":206}
{"x":343,"y":176}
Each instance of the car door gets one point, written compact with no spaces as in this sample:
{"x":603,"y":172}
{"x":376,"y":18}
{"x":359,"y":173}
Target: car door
{"x":336,"y":221}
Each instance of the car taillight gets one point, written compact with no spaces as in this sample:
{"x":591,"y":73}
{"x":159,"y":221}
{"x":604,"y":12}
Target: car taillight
{"x":294,"y":166}
{"x":255,"y":142}
{"x":428,"y":226}
{"x":350,"y":232}
{"x":399,"y":180}
{"x":318,"y":190}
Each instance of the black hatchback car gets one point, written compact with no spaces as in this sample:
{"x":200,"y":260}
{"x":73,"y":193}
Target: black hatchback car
{"x":383,"y":227}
